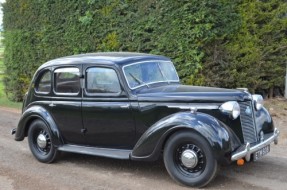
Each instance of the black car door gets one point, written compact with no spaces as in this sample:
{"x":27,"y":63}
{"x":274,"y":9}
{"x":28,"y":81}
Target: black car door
{"x":107,"y":116}
{"x":66,"y":103}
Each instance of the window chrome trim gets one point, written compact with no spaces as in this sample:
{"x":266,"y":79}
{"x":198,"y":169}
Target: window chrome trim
{"x":63,"y":69}
{"x":149,"y":61}
{"x":71,"y":69}
{"x":37,"y":82}
{"x":67,"y":94}
{"x":91,"y":94}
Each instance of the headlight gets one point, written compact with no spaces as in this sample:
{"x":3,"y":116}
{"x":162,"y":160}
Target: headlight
{"x":258,"y":101}
{"x":231,"y":108}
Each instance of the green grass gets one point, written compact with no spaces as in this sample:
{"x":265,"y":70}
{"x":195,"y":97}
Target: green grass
{"x":4,"y":102}
{"x":3,"y":98}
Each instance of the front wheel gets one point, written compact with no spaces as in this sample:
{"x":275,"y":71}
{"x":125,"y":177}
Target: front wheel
{"x":40,"y":142}
{"x":189,"y":160}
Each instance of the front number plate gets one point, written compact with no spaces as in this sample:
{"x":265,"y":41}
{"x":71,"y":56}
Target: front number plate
{"x":263,"y":151}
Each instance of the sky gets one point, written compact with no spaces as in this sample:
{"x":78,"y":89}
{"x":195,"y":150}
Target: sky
{"x":1,"y":14}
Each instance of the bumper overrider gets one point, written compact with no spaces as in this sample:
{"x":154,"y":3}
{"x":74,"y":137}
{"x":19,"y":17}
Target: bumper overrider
{"x":247,"y":150}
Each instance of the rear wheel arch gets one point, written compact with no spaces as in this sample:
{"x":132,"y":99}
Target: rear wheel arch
{"x":28,"y":124}
{"x":57,"y":140}
{"x":40,"y":140}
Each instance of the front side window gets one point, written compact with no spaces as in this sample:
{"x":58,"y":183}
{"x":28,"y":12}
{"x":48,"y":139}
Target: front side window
{"x":102,"y":80}
{"x":44,"y":84}
{"x":143,"y":73}
{"x":67,"y":80}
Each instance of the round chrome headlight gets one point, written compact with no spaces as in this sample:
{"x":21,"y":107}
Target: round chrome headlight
{"x":231,"y":108}
{"x":258,"y":101}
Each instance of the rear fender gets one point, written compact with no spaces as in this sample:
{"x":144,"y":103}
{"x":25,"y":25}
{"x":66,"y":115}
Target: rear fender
{"x":219,"y":136}
{"x":33,"y":113}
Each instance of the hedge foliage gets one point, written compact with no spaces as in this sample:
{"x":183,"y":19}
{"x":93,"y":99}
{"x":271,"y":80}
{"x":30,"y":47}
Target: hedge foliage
{"x":212,"y":42}
{"x":256,"y":56}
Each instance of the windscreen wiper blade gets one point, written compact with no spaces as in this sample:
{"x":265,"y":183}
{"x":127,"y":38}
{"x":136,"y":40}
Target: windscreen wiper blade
{"x":138,"y":80}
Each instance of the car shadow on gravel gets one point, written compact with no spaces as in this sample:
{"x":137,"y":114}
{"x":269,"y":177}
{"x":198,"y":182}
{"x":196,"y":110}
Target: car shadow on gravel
{"x":156,"y":168}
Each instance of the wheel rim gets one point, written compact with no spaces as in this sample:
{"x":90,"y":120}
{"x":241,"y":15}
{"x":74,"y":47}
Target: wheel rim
{"x":190,"y":160}
{"x":42,"y":142}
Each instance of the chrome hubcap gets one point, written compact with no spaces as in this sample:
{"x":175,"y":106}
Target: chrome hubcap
{"x":189,"y":158}
{"x":42,"y":141}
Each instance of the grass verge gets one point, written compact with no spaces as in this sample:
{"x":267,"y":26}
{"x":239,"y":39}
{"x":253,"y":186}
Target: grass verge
{"x":4,"y":101}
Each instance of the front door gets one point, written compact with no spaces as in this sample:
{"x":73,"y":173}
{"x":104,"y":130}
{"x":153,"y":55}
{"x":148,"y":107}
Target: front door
{"x":107,"y":116}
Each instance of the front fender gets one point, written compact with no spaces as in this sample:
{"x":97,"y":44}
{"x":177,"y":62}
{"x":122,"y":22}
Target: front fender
{"x":37,"y":112}
{"x":219,"y":136}
{"x":264,"y":121}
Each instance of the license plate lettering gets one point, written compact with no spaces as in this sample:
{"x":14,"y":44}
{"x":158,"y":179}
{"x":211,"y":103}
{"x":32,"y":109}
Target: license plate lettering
{"x":262,"y":152}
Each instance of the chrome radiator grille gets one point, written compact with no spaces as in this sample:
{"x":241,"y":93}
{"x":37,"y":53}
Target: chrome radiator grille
{"x":247,"y":122}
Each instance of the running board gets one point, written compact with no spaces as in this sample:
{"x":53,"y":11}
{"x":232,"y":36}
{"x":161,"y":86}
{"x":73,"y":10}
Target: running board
{"x":104,"y":152}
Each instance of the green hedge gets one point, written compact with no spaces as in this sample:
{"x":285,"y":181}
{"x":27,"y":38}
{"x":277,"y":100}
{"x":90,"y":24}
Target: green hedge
{"x":256,"y":55}
{"x":191,"y":32}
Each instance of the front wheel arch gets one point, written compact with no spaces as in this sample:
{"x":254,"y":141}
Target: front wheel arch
{"x":219,"y":136}
{"x":204,"y":169}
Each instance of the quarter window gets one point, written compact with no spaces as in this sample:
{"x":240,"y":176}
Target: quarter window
{"x":67,"y":80}
{"x":102,"y":80}
{"x":44,"y":84}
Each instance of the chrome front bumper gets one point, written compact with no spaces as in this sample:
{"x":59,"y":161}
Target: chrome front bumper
{"x":246,"y":150}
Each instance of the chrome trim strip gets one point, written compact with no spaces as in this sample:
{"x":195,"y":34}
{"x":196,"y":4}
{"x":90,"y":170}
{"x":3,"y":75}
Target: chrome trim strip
{"x":248,"y":150}
{"x":194,"y":106}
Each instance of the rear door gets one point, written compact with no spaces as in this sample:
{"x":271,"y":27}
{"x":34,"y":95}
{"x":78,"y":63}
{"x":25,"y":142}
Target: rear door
{"x":107,"y":116}
{"x":66,"y":103}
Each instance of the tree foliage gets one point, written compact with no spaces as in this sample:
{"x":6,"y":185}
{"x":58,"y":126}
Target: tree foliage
{"x":215,"y":42}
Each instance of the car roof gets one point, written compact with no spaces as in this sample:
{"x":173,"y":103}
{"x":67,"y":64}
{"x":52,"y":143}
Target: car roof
{"x":110,"y":58}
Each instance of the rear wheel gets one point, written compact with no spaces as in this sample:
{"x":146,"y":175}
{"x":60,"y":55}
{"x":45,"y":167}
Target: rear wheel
{"x":40,"y":142}
{"x":189,"y":160}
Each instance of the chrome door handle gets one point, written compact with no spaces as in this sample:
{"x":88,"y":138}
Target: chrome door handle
{"x":125,"y":106}
{"x":52,"y":105}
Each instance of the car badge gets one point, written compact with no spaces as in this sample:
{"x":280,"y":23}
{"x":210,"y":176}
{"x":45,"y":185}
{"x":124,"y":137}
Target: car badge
{"x":248,"y":110}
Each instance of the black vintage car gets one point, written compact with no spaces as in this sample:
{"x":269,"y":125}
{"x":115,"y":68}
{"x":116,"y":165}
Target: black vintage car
{"x":132,"y":106}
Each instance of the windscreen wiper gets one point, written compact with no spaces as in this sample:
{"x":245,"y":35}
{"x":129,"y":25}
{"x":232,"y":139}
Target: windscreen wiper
{"x":138,"y":80}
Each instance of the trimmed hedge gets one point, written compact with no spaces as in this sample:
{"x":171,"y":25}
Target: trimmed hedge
{"x":191,"y":32}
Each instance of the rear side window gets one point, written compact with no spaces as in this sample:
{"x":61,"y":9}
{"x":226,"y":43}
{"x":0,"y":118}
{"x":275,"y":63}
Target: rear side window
{"x":44,"y":83}
{"x":67,"y":80}
{"x":102,"y":80}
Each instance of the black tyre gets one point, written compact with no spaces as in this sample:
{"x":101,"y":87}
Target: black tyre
{"x":189,"y":160}
{"x":40,"y":142}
